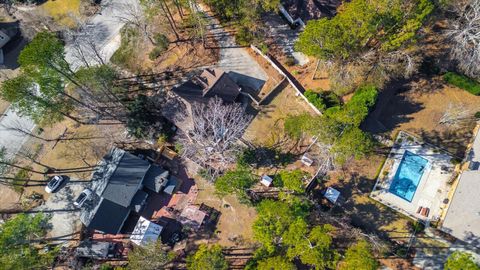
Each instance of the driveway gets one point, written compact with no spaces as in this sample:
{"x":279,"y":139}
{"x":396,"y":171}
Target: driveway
{"x":102,"y":31}
{"x":64,"y":217}
{"x":10,"y":139}
{"x":235,"y":60}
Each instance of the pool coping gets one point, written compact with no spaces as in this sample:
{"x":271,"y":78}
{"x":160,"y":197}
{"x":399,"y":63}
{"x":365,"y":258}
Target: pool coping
{"x":383,"y":182}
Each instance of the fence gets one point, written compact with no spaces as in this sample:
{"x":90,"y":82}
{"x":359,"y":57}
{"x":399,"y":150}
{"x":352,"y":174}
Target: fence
{"x":293,"y":82}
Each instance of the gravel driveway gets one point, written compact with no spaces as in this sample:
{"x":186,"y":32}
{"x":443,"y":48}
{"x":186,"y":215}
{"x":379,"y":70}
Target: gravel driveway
{"x":103,"y":31}
{"x":235,"y":60}
{"x":65,"y":218}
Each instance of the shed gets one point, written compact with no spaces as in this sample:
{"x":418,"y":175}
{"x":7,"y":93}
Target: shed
{"x":145,"y":231}
{"x":266,"y":180}
{"x":192,"y":217}
{"x":306,"y":160}
{"x":332,"y":195}
{"x":94,"y":250}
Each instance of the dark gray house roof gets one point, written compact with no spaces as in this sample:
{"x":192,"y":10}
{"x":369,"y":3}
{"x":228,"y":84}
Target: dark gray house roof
{"x":138,"y":201}
{"x":211,"y":83}
{"x":126,"y":180}
{"x":156,"y":178}
{"x":117,"y":184}
{"x":109,"y":217}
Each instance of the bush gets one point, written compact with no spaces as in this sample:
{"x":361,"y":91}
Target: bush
{"x":455,"y":161}
{"x":477,"y":115}
{"x":290,"y":61}
{"x":161,"y":40}
{"x":155,"y":53}
{"x":244,"y":36}
{"x":462,"y":82}
{"x":315,"y":99}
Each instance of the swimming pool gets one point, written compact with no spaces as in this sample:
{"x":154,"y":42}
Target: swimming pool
{"x":408,"y":175}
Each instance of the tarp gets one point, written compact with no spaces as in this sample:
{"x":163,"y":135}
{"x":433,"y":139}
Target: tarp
{"x":145,"y":231}
{"x":332,"y":194}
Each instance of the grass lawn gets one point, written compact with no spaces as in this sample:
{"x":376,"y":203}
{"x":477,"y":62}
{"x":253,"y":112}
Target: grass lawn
{"x":235,"y":224}
{"x":63,"y":11}
{"x":266,"y":128}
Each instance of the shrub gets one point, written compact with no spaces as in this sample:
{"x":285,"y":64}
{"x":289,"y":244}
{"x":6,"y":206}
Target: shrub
{"x":155,"y":53}
{"x":315,"y":99}
{"x":290,"y":61}
{"x":462,"y":82}
{"x":161,"y":40}
{"x":455,"y":161}
{"x":477,"y":115}
{"x":244,"y":36}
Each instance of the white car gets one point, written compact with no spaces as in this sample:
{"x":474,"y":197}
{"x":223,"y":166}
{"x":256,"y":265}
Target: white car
{"x":54,"y":183}
{"x":83,"y":197}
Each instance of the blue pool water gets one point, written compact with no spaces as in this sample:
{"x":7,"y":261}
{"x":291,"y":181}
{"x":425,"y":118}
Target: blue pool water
{"x":408,"y":175}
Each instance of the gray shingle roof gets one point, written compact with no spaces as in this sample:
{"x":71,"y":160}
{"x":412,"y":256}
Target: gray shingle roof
{"x":156,"y":178}
{"x":138,"y":201}
{"x":109,"y":217}
{"x":125,"y":180}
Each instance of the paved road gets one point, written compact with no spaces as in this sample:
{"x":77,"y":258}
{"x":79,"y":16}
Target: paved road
{"x":234,"y":59}
{"x":10,"y":139}
{"x":102,"y":30}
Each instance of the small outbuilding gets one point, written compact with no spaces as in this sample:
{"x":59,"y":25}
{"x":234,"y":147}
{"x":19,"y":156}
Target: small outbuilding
{"x":306,"y":160}
{"x":145,"y":232}
{"x":266,"y":180}
{"x":332,"y":195}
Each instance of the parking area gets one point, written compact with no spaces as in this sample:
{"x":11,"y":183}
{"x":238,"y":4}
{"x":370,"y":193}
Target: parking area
{"x":64,"y":216}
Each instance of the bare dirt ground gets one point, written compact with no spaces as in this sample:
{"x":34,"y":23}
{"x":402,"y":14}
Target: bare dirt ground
{"x":84,"y":148}
{"x":235,"y":225}
{"x":417,"y":107}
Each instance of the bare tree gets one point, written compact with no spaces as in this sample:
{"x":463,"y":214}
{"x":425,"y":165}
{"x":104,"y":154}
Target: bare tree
{"x":466,"y":40}
{"x":455,"y":115}
{"x":213,"y":140}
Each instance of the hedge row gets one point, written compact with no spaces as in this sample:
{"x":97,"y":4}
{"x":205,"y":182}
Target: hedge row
{"x":462,"y":82}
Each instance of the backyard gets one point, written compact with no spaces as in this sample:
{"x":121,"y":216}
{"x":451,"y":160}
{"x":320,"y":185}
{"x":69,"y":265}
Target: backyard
{"x":417,"y":107}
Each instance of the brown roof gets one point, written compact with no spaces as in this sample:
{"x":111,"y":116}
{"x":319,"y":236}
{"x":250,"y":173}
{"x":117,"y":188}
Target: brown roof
{"x":212,"y":82}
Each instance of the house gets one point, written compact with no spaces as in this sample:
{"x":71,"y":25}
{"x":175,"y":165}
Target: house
{"x":211,"y":83}
{"x":121,"y":184}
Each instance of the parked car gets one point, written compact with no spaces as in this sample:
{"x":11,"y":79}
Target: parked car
{"x":54,"y":183}
{"x":83,"y":197}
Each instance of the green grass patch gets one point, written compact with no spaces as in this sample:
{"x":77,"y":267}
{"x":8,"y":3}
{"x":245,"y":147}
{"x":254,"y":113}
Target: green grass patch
{"x":462,"y":82}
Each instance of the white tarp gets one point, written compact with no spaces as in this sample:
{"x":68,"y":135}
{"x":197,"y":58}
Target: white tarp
{"x":145,"y":231}
{"x":332,"y":194}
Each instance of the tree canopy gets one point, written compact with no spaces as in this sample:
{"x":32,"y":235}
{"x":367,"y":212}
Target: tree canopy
{"x":152,"y":256}
{"x":362,"y":24}
{"x":275,"y":263}
{"x":461,"y":261}
{"x":207,"y":258}
{"x":312,"y":247}
{"x":17,"y":249}
{"x":273,"y":219}
{"x":291,"y":180}
{"x":359,"y":256}
{"x":339,"y":126}
{"x":234,"y":182}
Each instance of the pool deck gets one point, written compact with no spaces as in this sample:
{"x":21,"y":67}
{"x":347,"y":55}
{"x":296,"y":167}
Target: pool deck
{"x":433,"y":187}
